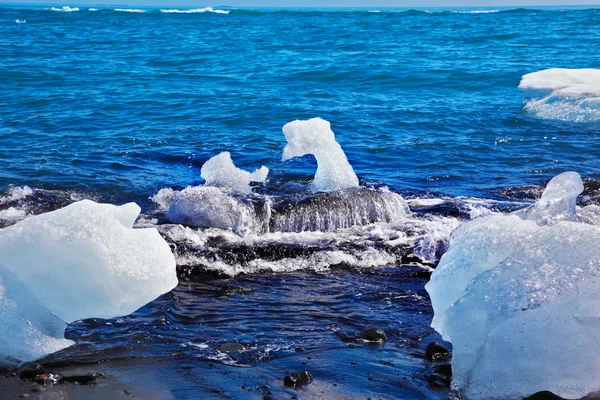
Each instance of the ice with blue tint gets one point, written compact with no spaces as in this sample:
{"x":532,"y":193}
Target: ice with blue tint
{"x":517,"y":295}
{"x":221,"y":172}
{"x":81,"y":261}
{"x":315,"y":137}
{"x":215,"y":204}
{"x":563,"y":94}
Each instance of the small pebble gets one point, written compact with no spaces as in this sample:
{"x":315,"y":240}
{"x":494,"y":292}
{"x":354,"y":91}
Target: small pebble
{"x":437,"y":352}
{"x":297,"y":379}
{"x":372,"y":334}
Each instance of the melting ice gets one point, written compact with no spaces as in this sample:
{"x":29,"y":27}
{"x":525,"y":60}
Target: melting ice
{"x":517,"y":295}
{"x":82,"y":261}
{"x":315,"y":137}
{"x":563,"y":94}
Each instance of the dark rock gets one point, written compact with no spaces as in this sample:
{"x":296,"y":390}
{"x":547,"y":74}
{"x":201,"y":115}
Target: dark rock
{"x":231,"y":348}
{"x":437,"y":352}
{"x":79,"y":378}
{"x":373,"y":335}
{"x":30,"y":370}
{"x":297,"y":379}
{"x":545,"y":395}
{"x":24,"y":395}
{"x":38,"y":389}
{"x":444,"y":369}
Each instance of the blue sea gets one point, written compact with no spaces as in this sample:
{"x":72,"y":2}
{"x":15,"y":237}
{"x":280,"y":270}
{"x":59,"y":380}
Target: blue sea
{"x":116,"y":103}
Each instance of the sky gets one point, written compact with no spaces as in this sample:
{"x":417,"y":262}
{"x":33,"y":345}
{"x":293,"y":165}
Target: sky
{"x":319,"y":3}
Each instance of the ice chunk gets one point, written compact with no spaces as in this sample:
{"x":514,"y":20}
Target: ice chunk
{"x":339,"y":210}
{"x":211,"y":207}
{"x":315,"y":137}
{"x":82,"y":261}
{"x":558,"y":201}
{"x":517,"y":295}
{"x":221,"y":172}
{"x":563,"y":94}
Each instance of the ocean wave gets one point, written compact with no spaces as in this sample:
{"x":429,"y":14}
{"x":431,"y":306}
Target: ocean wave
{"x":130,"y":10}
{"x":21,"y":21}
{"x":475,"y":11}
{"x":194,"y":11}
{"x":64,"y":9}
{"x":571,"y":95}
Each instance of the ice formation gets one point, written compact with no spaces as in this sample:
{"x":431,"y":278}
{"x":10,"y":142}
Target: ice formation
{"x":82,"y":261}
{"x":517,"y":295}
{"x":211,"y":207}
{"x":315,"y":137}
{"x":221,"y":172}
{"x":563,"y":94}
{"x":339,"y":210}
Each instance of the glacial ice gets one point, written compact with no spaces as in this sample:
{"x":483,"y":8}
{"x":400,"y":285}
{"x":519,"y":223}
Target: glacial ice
{"x":214,"y":205}
{"x":517,"y":295}
{"x":221,"y":172}
{"x":82,"y":261}
{"x":211,"y":207}
{"x":315,"y":137}
{"x":563,"y":94}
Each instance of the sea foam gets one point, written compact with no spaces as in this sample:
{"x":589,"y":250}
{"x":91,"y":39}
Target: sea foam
{"x":563,"y":94}
{"x":130,"y":10}
{"x":65,"y":9}
{"x":194,"y":11}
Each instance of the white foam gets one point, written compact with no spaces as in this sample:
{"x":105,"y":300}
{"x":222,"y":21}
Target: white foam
{"x":15,"y":193}
{"x":475,"y":11}
{"x":517,"y":295}
{"x":82,"y":261}
{"x":194,"y":11}
{"x":130,"y":10}
{"x":92,"y":9}
{"x":315,"y":137}
{"x":21,"y":21}
{"x":12,"y":214}
{"x":366,"y":246}
{"x":65,"y":9}
{"x":220,"y":171}
{"x":563,"y":94}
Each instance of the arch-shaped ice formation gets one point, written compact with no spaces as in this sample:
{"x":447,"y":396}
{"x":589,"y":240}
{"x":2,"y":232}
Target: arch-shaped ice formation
{"x":315,"y":137}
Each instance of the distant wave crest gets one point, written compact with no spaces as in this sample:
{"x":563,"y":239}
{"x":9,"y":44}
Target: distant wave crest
{"x":130,"y":10}
{"x":194,"y":11}
{"x":64,"y":9}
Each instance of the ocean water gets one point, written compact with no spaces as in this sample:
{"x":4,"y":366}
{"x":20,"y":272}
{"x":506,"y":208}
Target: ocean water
{"x":115,"y":105}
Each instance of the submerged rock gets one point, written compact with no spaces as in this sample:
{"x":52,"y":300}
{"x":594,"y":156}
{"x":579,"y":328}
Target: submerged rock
{"x":298,"y":379}
{"x":81,"y":378}
{"x":231,"y":348}
{"x":437,"y":352}
{"x":30,"y":370}
{"x":372,"y":334}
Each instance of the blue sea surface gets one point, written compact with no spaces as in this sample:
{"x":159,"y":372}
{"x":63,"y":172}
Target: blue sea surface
{"x":115,"y":105}
{"x":126,"y":103}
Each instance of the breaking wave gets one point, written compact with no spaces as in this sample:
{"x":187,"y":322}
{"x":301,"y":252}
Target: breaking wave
{"x":194,"y":11}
